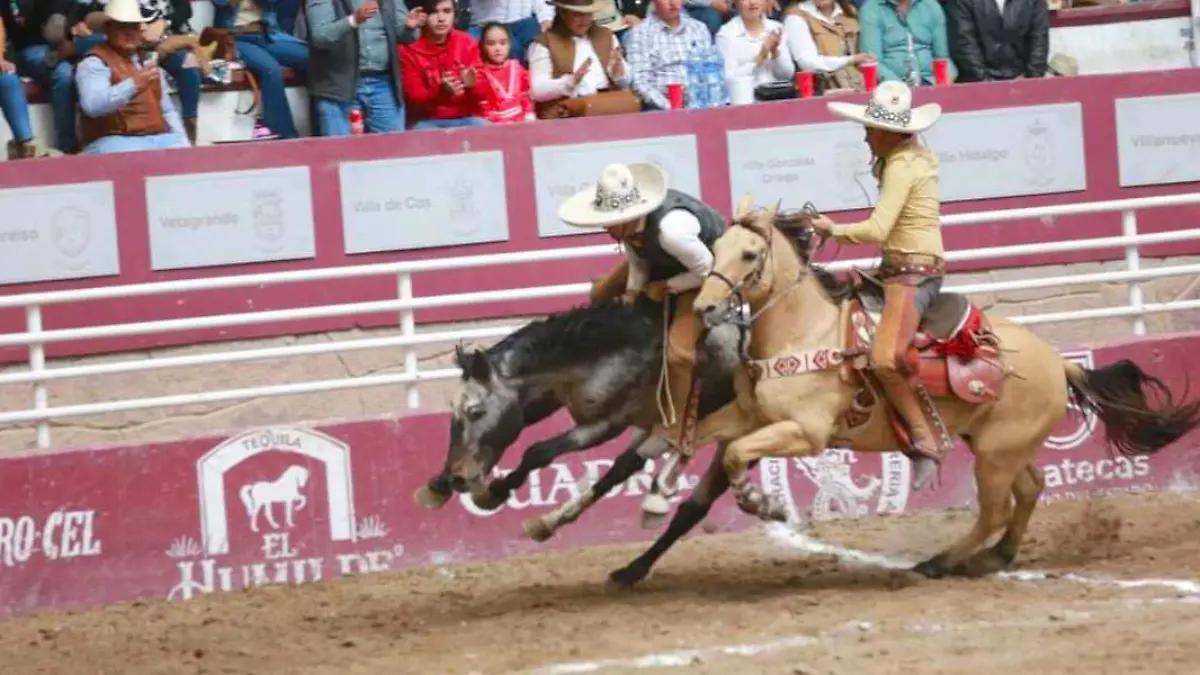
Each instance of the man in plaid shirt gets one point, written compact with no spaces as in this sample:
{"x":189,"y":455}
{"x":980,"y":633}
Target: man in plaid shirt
{"x":658,"y":49}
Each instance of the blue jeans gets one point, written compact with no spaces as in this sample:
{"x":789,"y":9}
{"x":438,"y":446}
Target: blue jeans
{"x":707,"y":16}
{"x":187,"y":82}
{"x":58,"y":80}
{"x":110,"y":144}
{"x":451,"y":124}
{"x":15,"y":107}
{"x":265,"y":55}
{"x":378,"y":99}
{"x":523,"y":32}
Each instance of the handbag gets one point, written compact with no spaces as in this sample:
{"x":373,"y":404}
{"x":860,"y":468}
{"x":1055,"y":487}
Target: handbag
{"x":775,"y":91}
{"x":607,"y":102}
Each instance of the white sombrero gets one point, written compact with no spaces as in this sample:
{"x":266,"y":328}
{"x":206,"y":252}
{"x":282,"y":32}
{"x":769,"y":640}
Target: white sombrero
{"x":890,"y":109}
{"x":624,"y":192}
{"x":125,"y":11}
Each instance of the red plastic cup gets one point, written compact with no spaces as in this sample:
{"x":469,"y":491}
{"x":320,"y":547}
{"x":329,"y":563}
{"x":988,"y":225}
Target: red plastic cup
{"x":675,"y":95}
{"x":870,"y":73}
{"x":941,"y":72}
{"x":804,"y":84}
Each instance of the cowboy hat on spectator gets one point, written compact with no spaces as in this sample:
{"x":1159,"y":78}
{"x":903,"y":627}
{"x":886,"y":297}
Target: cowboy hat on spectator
{"x":624,"y":193}
{"x":127,"y":11}
{"x":581,"y":6}
{"x":1063,"y":65}
{"x":890,"y":109}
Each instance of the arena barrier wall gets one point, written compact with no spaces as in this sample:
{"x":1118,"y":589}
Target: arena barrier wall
{"x":297,"y":504}
{"x":322,"y":202}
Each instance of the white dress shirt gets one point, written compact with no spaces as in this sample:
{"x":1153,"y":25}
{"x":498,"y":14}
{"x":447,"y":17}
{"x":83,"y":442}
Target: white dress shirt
{"x":543,"y":87}
{"x":679,"y":234}
{"x":800,"y":42}
{"x":509,"y":11}
{"x":740,"y":49}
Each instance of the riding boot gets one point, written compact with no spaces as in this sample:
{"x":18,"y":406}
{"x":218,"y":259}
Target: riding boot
{"x":925,"y":453}
{"x":682,"y":337}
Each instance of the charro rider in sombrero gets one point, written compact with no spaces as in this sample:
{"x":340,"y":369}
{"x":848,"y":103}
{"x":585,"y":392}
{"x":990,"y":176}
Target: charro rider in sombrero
{"x":907,"y":226}
{"x":668,"y":238}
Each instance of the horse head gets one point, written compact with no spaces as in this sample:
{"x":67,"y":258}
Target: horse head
{"x":486,"y":417}
{"x":742,"y":263}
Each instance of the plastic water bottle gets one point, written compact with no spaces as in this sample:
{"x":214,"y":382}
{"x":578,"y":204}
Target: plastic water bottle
{"x":714,"y":78}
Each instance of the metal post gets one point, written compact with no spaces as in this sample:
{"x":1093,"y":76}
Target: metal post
{"x":408,"y":328}
{"x":37,"y":364}
{"x":1133,"y":262}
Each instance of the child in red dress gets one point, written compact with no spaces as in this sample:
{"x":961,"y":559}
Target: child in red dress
{"x":505,"y":78}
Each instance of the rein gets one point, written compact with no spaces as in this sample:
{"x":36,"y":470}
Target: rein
{"x":745,"y":319}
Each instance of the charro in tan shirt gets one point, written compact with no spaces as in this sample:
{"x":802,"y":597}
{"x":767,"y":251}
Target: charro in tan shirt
{"x":906,"y":219}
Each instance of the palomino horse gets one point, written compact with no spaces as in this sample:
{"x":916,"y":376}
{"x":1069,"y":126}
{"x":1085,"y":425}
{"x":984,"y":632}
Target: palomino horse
{"x":806,"y":387}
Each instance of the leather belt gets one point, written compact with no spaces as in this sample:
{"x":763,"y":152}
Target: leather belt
{"x":897,"y":264}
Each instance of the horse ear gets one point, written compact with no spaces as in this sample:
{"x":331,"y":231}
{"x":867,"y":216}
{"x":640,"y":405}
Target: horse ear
{"x":744,"y":206}
{"x":460,"y":358}
{"x":480,"y":367}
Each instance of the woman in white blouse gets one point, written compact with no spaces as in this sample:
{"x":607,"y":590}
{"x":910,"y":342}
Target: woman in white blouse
{"x":836,"y":24}
{"x":564,"y":63}
{"x":754,"y":51}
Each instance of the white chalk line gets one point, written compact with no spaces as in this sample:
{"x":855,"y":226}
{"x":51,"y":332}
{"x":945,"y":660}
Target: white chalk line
{"x":685,"y":657}
{"x":789,"y":537}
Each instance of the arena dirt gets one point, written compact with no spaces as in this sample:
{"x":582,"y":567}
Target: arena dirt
{"x":531,"y":613}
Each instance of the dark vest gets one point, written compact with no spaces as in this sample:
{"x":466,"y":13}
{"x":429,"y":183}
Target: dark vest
{"x":662,"y":264}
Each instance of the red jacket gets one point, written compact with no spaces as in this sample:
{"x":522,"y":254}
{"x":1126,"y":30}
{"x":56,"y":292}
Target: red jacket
{"x":507,"y":97}
{"x":422,"y":64}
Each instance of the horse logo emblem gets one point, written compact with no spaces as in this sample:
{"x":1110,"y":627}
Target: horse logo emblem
{"x":836,"y":487}
{"x":261,"y":497}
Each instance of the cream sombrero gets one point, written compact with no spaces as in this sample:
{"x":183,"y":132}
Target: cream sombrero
{"x":890,"y":109}
{"x":624,"y":192}
{"x":581,"y":6}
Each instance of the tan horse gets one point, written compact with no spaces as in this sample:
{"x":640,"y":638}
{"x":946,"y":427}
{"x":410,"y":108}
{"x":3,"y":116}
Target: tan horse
{"x":805,"y":387}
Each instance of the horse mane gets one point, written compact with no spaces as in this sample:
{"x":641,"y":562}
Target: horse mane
{"x":838,"y":290}
{"x":573,"y":337}
{"x":801,"y":239}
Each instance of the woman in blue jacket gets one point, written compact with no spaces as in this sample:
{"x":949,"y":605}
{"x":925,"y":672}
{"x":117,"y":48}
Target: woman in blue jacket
{"x":906,"y":36}
{"x":265,"y":49}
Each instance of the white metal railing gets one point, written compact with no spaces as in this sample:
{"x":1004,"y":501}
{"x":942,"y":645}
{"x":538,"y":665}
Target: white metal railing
{"x":36,"y":337}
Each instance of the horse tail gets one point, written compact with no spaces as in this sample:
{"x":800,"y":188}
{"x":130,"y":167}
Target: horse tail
{"x":1117,"y":394}
{"x":247,"y":496}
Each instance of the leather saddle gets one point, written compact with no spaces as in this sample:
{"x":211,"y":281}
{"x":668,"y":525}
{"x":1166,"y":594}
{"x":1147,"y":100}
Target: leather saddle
{"x":954,"y":351}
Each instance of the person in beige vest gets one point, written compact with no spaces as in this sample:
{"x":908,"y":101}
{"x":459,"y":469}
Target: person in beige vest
{"x":822,"y":36}
{"x":577,"y":68}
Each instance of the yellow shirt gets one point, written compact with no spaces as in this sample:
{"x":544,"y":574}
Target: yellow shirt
{"x":906,"y":219}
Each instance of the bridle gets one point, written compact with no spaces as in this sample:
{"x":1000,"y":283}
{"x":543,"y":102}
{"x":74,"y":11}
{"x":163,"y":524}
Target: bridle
{"x":743,"y":318}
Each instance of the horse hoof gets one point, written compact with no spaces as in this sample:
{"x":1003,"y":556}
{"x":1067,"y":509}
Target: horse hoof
{"x":651,"y":521}
{"x":934,"y":568}
{"x":537,"y":529}
{"x":627,"y":577}
{"x":656,"y":504}
{"x":484,"y":499}
{"x":428,"y":499}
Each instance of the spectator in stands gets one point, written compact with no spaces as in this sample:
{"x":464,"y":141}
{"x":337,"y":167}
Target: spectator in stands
{"x":754,"y":51}
{"x":621,"y":15}
{"x":442,"y":83}
{"x":168,"y":34}
{"x":905,"y":36}
{"x":999,"y":39}
{"x":660,"y":47}
{"x":26,"y":22}
{"x":576,"y":68}
{"x":712,"y":13}
{"x":124,"y":100}
{"x":506,"y":79}
{"x":266,"y":51}
{"x":525,"y":20}
{"x":822,"y":36}
{"x":354,"y":62}
{"x":12,"y":96}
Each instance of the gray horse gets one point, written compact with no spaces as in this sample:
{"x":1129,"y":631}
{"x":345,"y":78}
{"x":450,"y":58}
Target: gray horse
{"x":601,"y":362}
